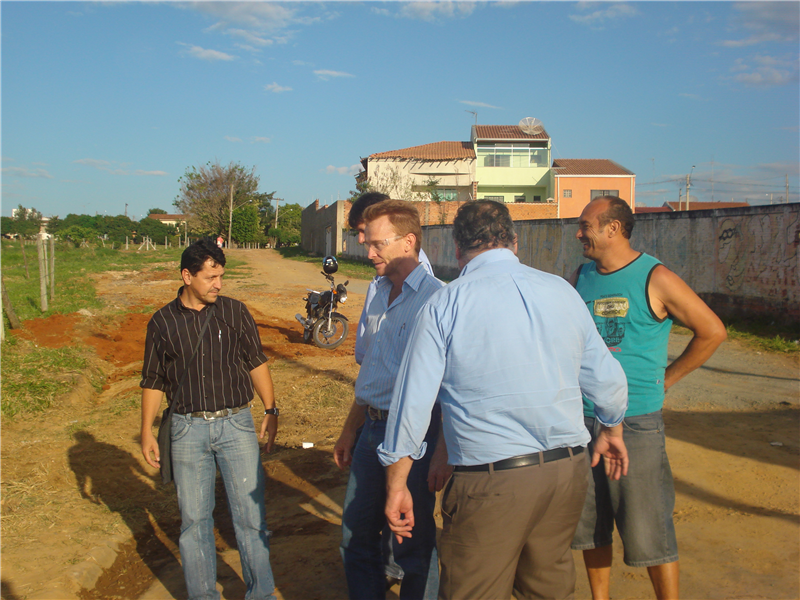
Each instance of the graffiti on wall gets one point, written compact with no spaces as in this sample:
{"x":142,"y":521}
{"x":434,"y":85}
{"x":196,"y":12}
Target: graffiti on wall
{"x":758,"y":255}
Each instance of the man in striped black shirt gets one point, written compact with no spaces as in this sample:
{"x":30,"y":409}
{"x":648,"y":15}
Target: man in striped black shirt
{"x":211,"y":426}
{"x":393,"y":235}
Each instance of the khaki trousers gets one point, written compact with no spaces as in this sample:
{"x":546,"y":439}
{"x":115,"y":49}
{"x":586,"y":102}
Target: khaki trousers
{"x":511,"y":530}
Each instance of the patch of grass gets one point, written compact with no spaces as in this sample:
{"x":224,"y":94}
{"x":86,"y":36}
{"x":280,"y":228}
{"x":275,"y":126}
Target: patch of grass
{"x":125,"y":403}
{"x":347,"y":267}
{"x":74,"y":289}
{"x":237,"y":269}
{"x":32,"y":377}
{"x":760,"y":335}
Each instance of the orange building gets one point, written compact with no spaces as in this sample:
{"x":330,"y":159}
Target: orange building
{"x":579,"y":180}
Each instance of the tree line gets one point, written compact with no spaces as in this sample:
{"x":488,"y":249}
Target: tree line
{"x":216,"y":199}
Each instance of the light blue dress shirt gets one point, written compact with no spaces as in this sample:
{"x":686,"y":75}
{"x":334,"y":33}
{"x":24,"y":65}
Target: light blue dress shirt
{"x":362,"y":321}
{"x":386,"y":335}
{"x":507,"y":350}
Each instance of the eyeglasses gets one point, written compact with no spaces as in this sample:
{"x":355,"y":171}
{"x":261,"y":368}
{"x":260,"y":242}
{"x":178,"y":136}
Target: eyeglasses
{"x":381,"y":244}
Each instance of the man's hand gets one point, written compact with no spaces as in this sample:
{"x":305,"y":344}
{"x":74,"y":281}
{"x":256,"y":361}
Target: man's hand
{"x":269,"y":426}
{"x":150,"y":445}
{"x":400,"y":513}
{"x":438,"y":470}
{"x":610,"y":446}
{"x":342,"y":451}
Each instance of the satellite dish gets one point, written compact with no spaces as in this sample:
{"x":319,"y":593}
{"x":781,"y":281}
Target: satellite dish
{"x":531,"y":126}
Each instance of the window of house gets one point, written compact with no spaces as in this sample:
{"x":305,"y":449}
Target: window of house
{"x":495,"y":198}
{"x":448,"y":195}
{"x":598,"y":193}
{"x":506,"y":154}
{"x":537,"y":198}
{"x":519,"y":198}
{"x":567,"y":193}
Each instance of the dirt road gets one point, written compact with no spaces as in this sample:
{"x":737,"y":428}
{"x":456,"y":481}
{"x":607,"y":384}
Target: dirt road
{"x":83,"y":515}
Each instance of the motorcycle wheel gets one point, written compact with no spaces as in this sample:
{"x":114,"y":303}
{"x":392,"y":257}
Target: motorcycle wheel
{"x":329,"y":338}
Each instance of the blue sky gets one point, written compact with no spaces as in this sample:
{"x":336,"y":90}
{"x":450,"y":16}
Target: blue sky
{"x":107,"y":104}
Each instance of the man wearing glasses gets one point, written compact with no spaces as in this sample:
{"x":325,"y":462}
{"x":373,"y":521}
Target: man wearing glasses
{"x":392,"y":235}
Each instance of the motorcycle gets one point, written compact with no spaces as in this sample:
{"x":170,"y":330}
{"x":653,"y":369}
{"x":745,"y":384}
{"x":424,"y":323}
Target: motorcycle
{"x":322,"y":324}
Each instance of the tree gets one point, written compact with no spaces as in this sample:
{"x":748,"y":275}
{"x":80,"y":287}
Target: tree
{"x":156,"y":211}
{"x":287,"y":233}
{"x":210,"y":194}
{"x":246,"y":227}
{"x":266,"y":211}
{"x":25,"y":222}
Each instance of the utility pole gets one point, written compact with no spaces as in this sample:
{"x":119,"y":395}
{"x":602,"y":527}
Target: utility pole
{"x":787,"y":188}
{"x":688,"y":186}
{"x":126,"y":209}
{"x":277,"y":200}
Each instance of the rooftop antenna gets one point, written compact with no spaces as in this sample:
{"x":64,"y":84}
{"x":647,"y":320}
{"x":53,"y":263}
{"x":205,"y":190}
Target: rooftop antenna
{"x":531,"y":126}
{"x":474,"y":113}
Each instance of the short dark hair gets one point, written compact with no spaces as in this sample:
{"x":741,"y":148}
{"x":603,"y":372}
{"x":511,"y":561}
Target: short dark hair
{"x":196,"y":255}
{"x":403,"y":216}
{"x":483,"y":224}
{"x":365,"y":200}
{"x":618,"y":210}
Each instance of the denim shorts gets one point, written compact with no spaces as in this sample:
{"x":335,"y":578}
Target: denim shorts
{"x":641,"y":503}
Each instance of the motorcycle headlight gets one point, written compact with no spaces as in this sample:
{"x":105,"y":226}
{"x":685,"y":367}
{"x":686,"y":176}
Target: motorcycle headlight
{"x":343,"y":297}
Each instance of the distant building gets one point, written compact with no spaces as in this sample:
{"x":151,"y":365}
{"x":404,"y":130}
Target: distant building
{"x":693,"y":205}
{"x":501,"y":163}
{"x":175,"y":220}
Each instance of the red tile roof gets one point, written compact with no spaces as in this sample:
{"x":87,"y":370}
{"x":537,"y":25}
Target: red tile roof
{"x":435,"y":151}
{"x":506,"y":132}
{"x":588,"y":166}
{"x":651,"y":209}
{"x":162,"y":217}
{"x":694,"y":205}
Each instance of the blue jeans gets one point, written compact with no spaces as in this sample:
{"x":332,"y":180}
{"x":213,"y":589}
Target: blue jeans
{"x":199,"y":447}
{"x":641,"y":503}
{"x":363,"y":519}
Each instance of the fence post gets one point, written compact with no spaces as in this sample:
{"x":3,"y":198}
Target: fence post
{"x":13,"y":321}
{"x":52,"y":267}
{"x":42,"y":275}
{"x":24,"y":257}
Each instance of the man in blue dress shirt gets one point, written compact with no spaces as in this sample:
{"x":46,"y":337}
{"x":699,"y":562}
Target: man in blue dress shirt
{"x":506,"y":350}
{"x":392,"y":235}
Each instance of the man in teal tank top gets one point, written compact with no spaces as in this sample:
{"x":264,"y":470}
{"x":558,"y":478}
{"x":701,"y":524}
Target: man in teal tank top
{"x":633,"y":299}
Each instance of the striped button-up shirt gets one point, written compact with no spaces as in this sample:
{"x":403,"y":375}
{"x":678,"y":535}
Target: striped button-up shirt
{"x":386,"y":334}
{"x":219,"y":376}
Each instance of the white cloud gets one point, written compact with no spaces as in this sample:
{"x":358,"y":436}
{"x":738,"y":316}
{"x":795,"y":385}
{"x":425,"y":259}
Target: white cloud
{"x":261,"y":140}
{"x":602,"y":13}
{"x":25,"y":172}
{"x":766,"y":71}
{"x":150,"y":173}
{"x":351,"y":170}
{"x":764,"y":22}
{"x":325,"y":74}
{"x":249,"y":37}
{"x":230,"y":138}
{"x":432,"y":11}
{"x":276,"y":89}
{"x":478,"y":104}
{"x":204,"y":54}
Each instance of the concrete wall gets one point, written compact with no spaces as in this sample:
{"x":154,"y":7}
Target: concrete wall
{"x":321,"y":228}
{"x":744,"y":262}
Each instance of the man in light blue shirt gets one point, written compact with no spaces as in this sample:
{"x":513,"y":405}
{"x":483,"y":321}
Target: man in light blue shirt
{"x":507,"y":351}
{"x":392,"y":234}
{"x":356,"y":222}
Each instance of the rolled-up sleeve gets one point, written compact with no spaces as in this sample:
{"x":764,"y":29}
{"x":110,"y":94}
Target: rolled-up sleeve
{"x":153,"y":370}
{"x":415,"y":391}
{"x":252,"y":353}
{"x":602,"y":379}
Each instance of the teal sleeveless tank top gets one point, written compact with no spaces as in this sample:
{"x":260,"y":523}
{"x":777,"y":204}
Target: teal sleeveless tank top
{"x":620,"y":307}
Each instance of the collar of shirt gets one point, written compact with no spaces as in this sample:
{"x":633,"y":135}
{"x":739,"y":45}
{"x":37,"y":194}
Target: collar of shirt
{"x":182,"y":307}
{"x":488,"y":257}
{"x":414,"y":280}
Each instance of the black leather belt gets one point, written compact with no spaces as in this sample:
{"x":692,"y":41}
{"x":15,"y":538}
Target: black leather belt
{"x":209,"y":415}
{"x":525,"y":460}
{"x":376,"y":414}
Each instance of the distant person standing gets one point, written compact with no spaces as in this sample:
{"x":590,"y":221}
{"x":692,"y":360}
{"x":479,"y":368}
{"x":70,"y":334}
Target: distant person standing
{"x":211,"y":427}
{"x":633,"y":299}
{"x":220,"y":241}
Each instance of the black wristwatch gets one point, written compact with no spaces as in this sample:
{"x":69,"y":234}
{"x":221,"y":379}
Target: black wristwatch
{"x":272,"y":411}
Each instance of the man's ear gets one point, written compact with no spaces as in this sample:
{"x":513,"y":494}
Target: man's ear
{"x":186,"y":276}
{"x":614,"y":228}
